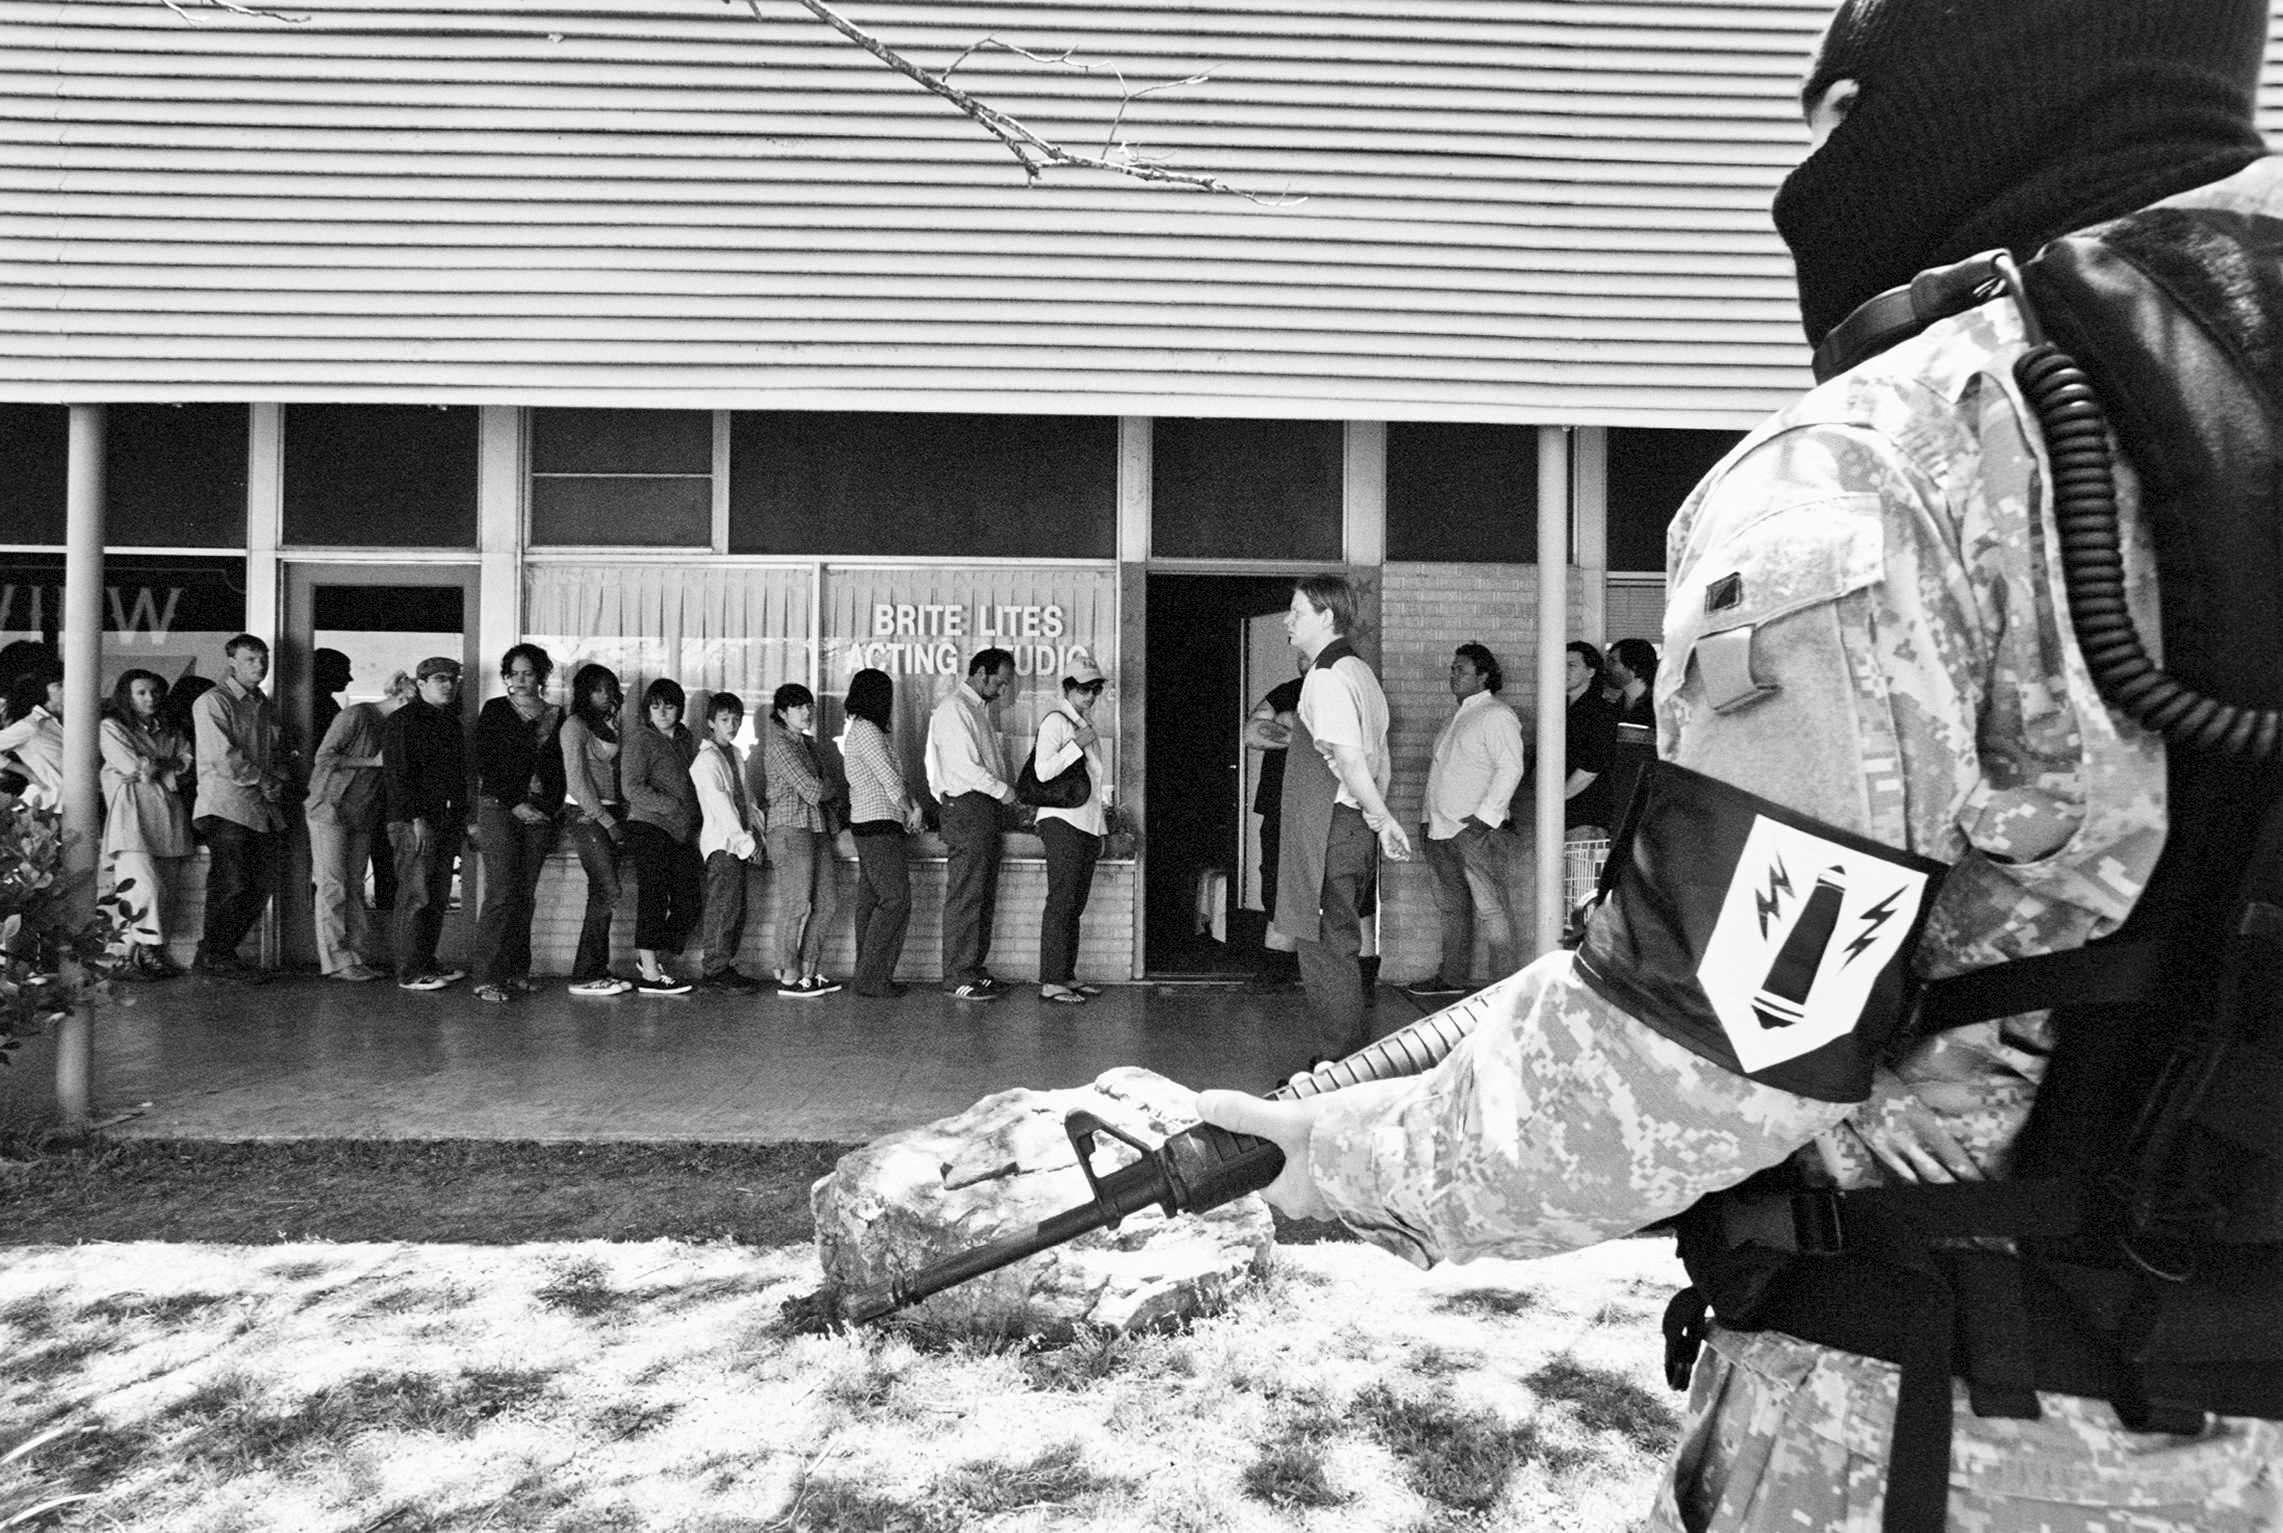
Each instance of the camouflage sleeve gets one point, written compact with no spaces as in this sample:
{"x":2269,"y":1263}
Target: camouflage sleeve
{"x":1560,"y":1123}
{"x":1823,"y":649}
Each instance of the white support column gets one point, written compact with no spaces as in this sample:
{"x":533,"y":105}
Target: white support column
{"x":265,"y":515}
{"x":1589,"y":515}
{"x":1363,"y":498}
{"x":499,"y":537}
{"x":1553,"y":698}
{"x":83,"y":692}
{"x":1134,"y":486}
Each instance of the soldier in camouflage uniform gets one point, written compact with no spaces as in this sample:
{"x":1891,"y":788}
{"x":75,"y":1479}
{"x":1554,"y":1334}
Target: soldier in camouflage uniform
{"x":1910,"y":676}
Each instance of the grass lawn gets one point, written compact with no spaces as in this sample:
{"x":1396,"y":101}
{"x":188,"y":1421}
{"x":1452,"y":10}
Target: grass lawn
{"x":286,"y":1371}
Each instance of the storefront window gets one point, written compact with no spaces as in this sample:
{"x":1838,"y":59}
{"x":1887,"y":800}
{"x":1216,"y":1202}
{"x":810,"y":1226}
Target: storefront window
{"x":1462,"y":493}
{"x":821,"y":483}
{"x":164,"y":613}
{"x":922,"y":626}
{"x":393,"y":476}
{"x":741,"y":630}
{"x":1650,"y":473}
{"x":32,"y":456}
{"x":1246,"y":489}
{"x":174,"y":475}
{"x":622,"y":478}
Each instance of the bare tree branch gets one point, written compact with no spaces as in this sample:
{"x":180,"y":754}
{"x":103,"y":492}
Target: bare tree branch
{"x":234,"y":9}
{"x":1032,"y":151}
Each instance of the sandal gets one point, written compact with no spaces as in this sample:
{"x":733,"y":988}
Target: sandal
{"x":1061,"y":995}
{"x":496,"y":994}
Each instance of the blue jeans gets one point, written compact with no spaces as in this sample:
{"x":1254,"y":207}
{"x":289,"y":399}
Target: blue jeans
{"x":598,"y":859}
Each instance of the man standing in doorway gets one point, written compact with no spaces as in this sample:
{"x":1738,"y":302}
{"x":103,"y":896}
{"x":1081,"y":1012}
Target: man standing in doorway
{"x":424,"y":765}
{"x":967,"y":773}
{"x":241,"y":794}
{"x":1336,"y":820}
{"x":1478,"y":763}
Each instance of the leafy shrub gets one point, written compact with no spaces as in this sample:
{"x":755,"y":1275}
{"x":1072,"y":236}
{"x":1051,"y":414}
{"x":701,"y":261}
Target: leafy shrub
{"x":50,"y":963}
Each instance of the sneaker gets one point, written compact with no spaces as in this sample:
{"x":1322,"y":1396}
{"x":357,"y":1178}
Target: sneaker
{"x":972,"y":990}
{"x":817,"y":984}
{"x":428,"y":981}
{"x":730,"y":982}
{"x":497,"y":995}
{"x":451,"y":976}
{"x":356,"y":974}
{"x":1424,"y":989}
{"x":666,"y":985}
{"x":600,"y":985}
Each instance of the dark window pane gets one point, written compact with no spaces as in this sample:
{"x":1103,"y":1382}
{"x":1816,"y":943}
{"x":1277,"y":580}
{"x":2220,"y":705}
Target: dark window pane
{"x":33,"y":449}
{"x":389,"y":609}
{"x":1650,"y":473}
{"x":646,"y":511}
{"x":400,"y":476}
{"x":1245,"y":489}
{"x":1462,"y":494}
{"x":176,"y":476}
{"x":978,"y":486}
{"x":621,"y":442}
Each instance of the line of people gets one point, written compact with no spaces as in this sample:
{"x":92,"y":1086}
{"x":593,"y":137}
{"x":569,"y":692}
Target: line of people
{"x":681,"y":810}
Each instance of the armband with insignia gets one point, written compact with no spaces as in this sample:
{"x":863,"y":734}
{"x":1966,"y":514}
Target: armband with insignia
{"x":1775,"y":946}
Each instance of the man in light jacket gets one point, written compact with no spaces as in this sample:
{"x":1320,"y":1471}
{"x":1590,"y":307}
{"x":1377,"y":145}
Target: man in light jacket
{"x":241,"y":794}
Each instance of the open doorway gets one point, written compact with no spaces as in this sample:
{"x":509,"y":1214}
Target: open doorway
{"x":1208,"y":638}
{"x":348,"y":627}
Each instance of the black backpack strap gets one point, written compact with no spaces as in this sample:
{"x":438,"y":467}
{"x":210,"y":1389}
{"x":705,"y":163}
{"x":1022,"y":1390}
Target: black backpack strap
{"x":2106,"y":974}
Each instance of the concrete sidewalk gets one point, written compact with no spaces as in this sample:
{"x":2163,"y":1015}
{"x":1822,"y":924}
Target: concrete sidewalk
{"x":311,"y":1058}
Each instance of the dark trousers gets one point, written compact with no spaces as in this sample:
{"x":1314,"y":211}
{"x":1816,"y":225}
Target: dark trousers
{"x":1070,"y":857}
{"x":514,"y":853}
{"x":1328,"y":972}
{"x":724,"y":911}
{"x":971,"y":884}
{"x":598,"y":860}
{"x":883,"y":909}
{"x":423,"y":889}
{"x":669,"y":884}
{"x":241,"y":871}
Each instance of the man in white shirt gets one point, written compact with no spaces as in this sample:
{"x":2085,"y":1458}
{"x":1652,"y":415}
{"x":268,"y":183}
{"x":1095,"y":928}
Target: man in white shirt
{"x":1336,"y":820}
{"x":968,"y":774}
{"x":1477,"y":766}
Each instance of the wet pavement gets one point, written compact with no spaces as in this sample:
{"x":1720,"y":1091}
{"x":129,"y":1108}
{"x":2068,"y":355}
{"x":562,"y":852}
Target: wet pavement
{"x":309,"y":1058}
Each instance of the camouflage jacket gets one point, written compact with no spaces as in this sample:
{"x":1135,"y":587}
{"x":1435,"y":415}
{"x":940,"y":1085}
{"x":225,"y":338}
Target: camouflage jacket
{"x":1921,"y":686}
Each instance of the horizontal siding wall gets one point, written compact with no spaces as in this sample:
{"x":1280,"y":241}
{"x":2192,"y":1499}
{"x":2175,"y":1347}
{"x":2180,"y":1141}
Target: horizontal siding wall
{"x":1546,"y":211}
{"x":1529,"y":210}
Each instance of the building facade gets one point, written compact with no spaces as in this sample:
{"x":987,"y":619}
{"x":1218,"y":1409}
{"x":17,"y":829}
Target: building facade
{"x":688,"y":337}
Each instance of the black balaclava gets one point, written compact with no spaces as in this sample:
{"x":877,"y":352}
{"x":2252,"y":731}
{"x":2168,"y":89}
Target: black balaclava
{"x":1987,"y":123}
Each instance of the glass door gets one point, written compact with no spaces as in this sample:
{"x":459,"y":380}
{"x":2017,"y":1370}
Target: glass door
{"x":348,"y":628}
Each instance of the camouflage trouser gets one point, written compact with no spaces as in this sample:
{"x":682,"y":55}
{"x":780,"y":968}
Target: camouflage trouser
{"x":1785,"y":1435}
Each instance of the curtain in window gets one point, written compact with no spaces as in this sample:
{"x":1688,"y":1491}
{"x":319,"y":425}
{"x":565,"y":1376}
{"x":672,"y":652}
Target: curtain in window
{"x":738,"y":629}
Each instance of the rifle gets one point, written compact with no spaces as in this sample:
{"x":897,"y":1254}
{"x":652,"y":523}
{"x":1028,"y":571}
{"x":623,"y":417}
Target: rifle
{"x":1195,"y":1170}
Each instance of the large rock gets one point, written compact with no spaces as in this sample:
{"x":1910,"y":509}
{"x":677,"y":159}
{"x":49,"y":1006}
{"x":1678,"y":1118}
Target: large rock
{"x":910,"y":1199}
